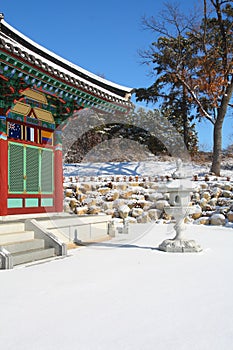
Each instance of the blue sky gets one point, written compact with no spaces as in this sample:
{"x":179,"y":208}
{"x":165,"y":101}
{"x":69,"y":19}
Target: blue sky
{"x":101,"y":36}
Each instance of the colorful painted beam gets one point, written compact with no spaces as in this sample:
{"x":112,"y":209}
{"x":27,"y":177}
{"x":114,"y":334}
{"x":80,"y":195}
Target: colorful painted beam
{"x":21,"y":58}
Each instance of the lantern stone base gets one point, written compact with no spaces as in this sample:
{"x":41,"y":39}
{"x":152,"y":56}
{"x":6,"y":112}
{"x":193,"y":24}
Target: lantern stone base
{"x":180,"y":246}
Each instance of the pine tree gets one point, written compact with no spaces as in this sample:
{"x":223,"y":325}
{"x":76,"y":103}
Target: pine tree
{"x":196,"y":59}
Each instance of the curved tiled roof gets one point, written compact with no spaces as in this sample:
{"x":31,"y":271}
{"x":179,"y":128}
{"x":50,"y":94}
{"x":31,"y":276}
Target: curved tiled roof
{"x":27,"y":50}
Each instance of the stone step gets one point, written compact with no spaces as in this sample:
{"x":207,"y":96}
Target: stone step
{"x":18,"y":247}
{"x":32,"y":255}
{"x":16,"y":237}
{"x":11,"y":227}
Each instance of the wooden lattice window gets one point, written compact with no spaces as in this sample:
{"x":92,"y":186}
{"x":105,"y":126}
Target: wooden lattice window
{"x":46,"y":171}
{"x":16,"y":168}
{"x":30,"y":169}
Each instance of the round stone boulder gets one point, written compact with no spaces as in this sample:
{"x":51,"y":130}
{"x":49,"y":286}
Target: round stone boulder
{"x":203,"y":203}
{"x":69,"y":192}
{"x":216,"y":192}
{"x":155,"y":214}
{"x":161,"y":204}
{"x":112,"y":195}
{"x":131,"y":220}
{"x":203,"y":186}
{"x":109,"y":212}
{"x":74,"y":203}
{"x":227,"y":187}
{"x":124,"y":211}
{"x":107,"y":205}
{"x":118,"y":203}
{"x":213,"y":202}
{"x":136,"y":212}
{"x":197,"y":212}
{"x":93,"y":209}
{"x":103,"y":190}
{"x":66,"y":207}
{"x":126,"y":194}
{"x":203,"y":220}
{"x":230,"y":216}
{"x":154,"y":197}
{"x":144,"y":218}
{"x":206,"y":195}
{"x":196,"y":196}
{"x":85,"y":187}
{"x":217,"y":219}
{"x":121,"y":186}
{"x":227,"y":194}
{"x":90,"y":201}
{"x":81,"y":197}
{"x":81,"y":210}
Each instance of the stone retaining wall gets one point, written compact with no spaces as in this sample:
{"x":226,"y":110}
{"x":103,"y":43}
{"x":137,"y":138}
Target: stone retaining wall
{"x":139,"y":200}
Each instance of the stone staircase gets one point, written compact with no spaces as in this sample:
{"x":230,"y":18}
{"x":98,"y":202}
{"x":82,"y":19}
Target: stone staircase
{"x":21,"y":246}
{"x":33,"y":237}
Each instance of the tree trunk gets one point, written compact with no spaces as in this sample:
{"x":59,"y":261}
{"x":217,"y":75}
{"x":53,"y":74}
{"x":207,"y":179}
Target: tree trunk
{"x":185,"y":118}
{"x":185,"y":131}
{"x":217,"y":147}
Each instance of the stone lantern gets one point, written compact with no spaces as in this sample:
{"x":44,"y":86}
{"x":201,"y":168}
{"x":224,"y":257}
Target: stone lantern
{"x":179,"y":197}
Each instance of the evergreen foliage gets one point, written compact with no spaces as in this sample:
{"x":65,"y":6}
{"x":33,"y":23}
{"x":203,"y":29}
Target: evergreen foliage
{"x":144,"y":127}
{"x":192,"y":62}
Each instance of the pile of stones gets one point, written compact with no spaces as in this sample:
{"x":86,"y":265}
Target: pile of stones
{"x":140,"y":201}
{"x":214,"y":203}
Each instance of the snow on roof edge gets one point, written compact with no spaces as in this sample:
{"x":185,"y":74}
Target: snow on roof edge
{"x":61,"y":69}
{"x":84,"y":71}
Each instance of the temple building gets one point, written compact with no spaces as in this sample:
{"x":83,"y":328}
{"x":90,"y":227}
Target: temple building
{"x":38,"y":91}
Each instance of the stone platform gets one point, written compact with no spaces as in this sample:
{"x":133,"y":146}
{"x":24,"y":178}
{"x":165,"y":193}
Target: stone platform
{"x":179,"y":246}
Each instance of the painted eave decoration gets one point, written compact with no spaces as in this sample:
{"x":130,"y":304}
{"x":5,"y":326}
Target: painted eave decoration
{"x":35,"y":96}
{"x":43,"y":72}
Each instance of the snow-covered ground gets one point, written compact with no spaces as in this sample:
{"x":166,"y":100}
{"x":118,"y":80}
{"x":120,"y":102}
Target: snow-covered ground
{"x":153,"y":167}
{"x":146,"y":168}
{"x":124,"y":294}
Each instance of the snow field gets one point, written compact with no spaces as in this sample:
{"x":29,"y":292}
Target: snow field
{"x":129,"y":296}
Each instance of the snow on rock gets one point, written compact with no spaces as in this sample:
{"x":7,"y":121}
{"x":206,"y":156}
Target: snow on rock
{"x":227,"y":194}
{"x":154,"y":197}
{"x":213,"y":202}
{"x":206,"y":195}
{"x":161,"y":204}
{"x":93,"y":209}
{"x":124,"y":211}
{"x":197,"y":212}
{"x":103,"y":190}
{"x":230,"y":216}
{"x":203,"y":203}
{"x":227,"y":187}
{"x":112,"y":195}
{"x":203,"y":220}
{"x":155,"y":214}
{"x":216,"y":191}
{"x":68,"y":192}
{"x":81,"y":210}
{"x":144,"y":218}
{"x":217,"y":219}
{"x":212,"y":197}
{"x":137,"y":212}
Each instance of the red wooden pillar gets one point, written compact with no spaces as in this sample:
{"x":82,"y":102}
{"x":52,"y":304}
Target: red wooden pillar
{"x":58,"y":173}
{"x":3,"y":167}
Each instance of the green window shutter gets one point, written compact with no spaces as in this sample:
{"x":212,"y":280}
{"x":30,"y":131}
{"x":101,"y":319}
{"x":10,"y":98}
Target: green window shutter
{"x":16,"y":168}
{"x":46,"y":171}
{"x":32,"y":169}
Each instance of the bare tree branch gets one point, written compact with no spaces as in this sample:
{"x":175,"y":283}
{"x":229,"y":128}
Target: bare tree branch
{"x":194,"y":96}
